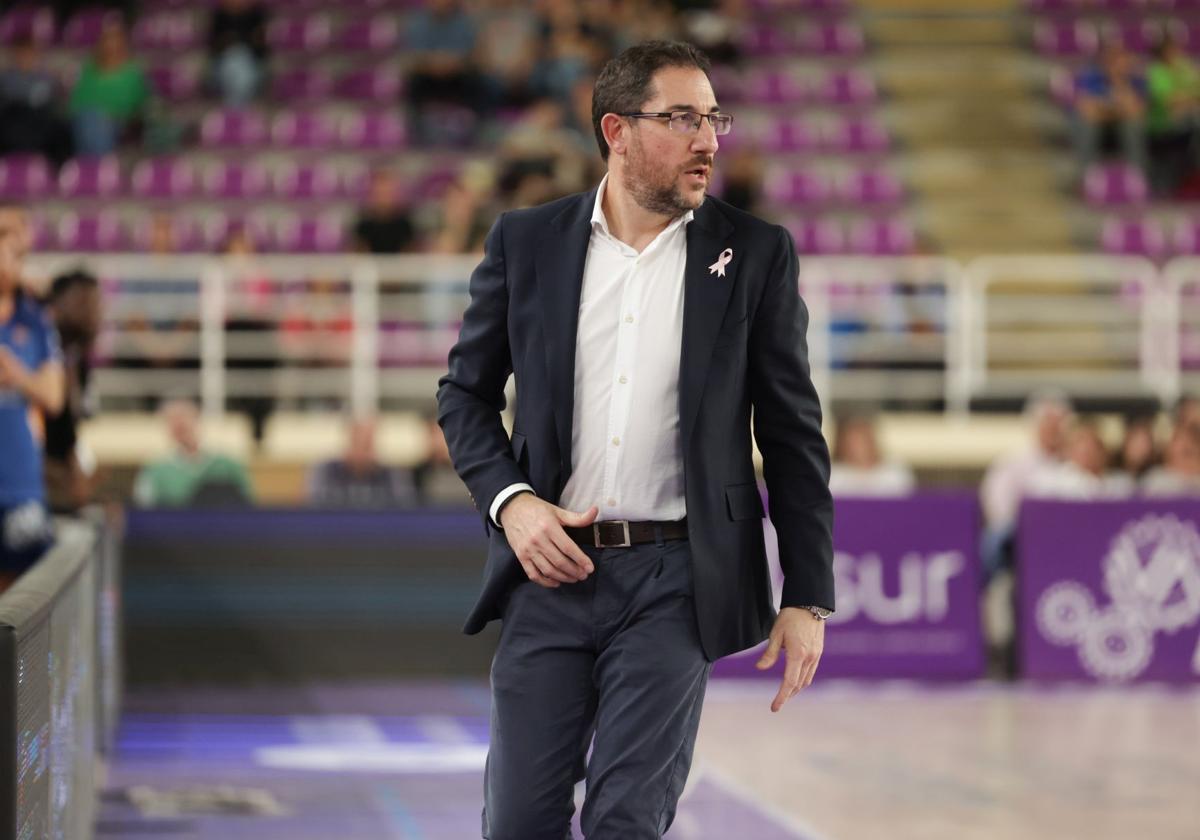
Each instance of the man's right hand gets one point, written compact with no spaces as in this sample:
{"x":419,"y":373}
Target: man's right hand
{"x":534,"y":529}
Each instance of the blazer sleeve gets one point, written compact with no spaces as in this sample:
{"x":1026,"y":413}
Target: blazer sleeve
{"x":787,"y":429}
{"x":471,"y":394}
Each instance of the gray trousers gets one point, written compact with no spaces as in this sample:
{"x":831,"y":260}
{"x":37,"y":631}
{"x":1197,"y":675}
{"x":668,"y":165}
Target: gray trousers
{"x":617,"y":655}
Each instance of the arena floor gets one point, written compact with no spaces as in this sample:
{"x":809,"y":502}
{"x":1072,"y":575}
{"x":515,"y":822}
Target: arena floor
{"x":843,"y":761}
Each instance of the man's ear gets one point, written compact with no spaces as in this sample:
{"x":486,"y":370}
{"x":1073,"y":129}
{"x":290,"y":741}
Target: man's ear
{"x":616,"y":133}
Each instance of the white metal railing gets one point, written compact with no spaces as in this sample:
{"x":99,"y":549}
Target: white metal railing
{"x":914,"y":331}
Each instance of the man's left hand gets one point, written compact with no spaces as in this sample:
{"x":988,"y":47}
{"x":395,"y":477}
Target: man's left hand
{"x":12,"y":372}
{"x":802,"y":637}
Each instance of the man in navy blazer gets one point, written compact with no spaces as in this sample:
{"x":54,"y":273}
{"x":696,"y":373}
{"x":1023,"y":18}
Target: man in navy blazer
{"x":610,"y":623}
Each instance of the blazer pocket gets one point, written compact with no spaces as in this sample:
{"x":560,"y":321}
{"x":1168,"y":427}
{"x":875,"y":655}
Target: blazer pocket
{"x":743,"y":501}
{"x":518,"y":446}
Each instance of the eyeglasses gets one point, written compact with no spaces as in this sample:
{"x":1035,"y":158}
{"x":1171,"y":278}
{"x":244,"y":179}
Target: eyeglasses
{"x":688,"y":122}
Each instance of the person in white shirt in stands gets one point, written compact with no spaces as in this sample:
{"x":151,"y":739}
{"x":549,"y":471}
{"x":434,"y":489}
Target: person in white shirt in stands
{"x":1083,"y":473}
{"x":1179,"y":474}
{"x":858,"y":467}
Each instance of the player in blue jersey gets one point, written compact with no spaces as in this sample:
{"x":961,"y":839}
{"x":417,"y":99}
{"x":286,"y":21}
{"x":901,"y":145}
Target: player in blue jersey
{"x":31,"y":386}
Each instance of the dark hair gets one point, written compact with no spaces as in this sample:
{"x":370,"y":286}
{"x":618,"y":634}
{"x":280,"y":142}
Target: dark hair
{"x":79,"y":278}
{"x":624,"y":82}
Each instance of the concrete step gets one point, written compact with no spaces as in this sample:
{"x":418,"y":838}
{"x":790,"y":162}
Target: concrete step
{"x":953,"y":73}
{"x":868,"y":7}
{"x":933,"y":30}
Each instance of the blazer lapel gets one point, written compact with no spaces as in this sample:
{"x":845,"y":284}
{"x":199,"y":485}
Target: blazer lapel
{"x":705,"y":298}
{"x":559,"y":263}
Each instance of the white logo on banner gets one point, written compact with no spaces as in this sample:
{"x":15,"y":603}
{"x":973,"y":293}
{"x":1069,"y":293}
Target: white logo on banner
{"x":1152,"y":575}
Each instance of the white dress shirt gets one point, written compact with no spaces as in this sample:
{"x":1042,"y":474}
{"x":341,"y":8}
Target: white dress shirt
{"x":627,"y":461}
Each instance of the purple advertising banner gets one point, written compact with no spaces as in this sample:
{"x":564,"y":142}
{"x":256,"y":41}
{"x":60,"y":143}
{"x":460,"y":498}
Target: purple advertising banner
{"x":907,"y":586}
{"x":1109,"y":591}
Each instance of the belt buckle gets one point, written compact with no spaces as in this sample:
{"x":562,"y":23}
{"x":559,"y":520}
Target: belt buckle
{"x":596,"y":535}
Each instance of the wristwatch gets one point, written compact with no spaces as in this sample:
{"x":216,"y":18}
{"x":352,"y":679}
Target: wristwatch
{"x":818,"y":612}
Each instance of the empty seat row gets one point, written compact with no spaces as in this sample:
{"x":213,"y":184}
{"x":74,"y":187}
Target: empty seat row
{"x":1081,"y":38}
{"x":869,"y":235}
{"x":870,"y":185}
{"x":848,"y":87}
{"x":1150,"y":237}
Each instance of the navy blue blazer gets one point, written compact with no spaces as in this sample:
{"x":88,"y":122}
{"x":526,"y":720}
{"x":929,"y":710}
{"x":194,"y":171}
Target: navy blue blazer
{"x":743,"y":348}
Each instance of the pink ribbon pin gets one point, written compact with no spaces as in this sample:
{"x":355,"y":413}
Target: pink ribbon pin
{"x":718,"y":268}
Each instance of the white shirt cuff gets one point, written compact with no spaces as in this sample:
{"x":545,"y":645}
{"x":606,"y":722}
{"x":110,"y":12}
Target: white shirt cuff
{"x":501,"y":497}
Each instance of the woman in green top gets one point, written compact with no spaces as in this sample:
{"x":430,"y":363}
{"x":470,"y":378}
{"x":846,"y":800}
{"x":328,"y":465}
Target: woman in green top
{"x":111,"y":92}
{"x":1172,"y":116}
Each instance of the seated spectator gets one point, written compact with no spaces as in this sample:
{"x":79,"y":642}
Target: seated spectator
{"x":859,"y":469}
{"x":358,"y":479}
{"x":31,"y":386}
{"x":384,"y":226}
{"x":189,"y":476}
{"x":1138,"y":453}
{"x":251,"y":324}
{"x":237,"y":50}
{"x":1083,"y":472}
{"x":111,"y":95}
{"x":441,"y":38}
{"x":1179,"y":474}
{"x":438,"y":485}
{"x":506,"y":51}
{"x":1110,"y":108}
{"x":1172,"y":116}
{"x":464,"y":221}
{"x":75,"y":304}
{"x":31,"y":106}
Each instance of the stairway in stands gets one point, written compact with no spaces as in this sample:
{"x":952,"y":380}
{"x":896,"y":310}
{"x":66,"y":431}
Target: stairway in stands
{"x":966,"y":103}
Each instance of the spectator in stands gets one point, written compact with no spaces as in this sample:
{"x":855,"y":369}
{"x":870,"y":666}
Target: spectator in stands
{"x":237,"y":50}
{"x":438,"y":485}
{"x":1187,"y":411}
{"x":111,"y":95}
{"x":1110,"y":104}
{"x":64,"y":9}
{"x":1008,"y":478}
{"x":464,"y":221}
{"x":358,"y":479}
{"x":384,"y":225}
{"x":1179,"y":474}
{"x":75,"y":304}
{"x":251,"y":324}
{"x":441,"y":38}
{"x":1172,"y":116}
{"x":1083,"y":473}
{"x":858,"y":467}
{"x":507,"y":51}
{"x":15,"y":222}
{"x":1138,"y":453}
{"x":189,"y":475}
{"x":743,"y":180}
{"x":31,"y":106}
{"x":575,"y":44}
{"x":31,"y":386}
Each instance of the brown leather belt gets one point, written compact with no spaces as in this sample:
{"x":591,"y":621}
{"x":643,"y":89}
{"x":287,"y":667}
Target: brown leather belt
{"x":620,"y":533}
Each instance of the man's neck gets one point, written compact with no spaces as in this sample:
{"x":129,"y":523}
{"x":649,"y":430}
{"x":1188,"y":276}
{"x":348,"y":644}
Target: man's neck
{"x":627,"y":220}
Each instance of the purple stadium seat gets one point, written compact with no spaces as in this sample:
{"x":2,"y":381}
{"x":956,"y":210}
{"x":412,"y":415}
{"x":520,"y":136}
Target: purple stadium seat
{"x":90,"y":178}
{"x":1063,"y":88}
{"x":163,"y":178}
{"x":728,"y":83}
{"x":167,"y":30}
{"x":303,"y":32}
{"x":803,"y":186}
{"x":841,"y":37}
{"x":382,"y":130}
{"x":847,"y":87}
{"x":304,"y":130}
{"x":1065,"y":39}
{"x":306,"y":181}
{"x":1138,"y":237}
{"x":1186,"y":34}
{"x":370,"y":84}
{"x":371,"y":34}
{"x":175,"y":81}
{"x":43,"y":232}
{"x":875,"y":185}
{"x":228,"y":179}
{"x":233,"y":128}
{"x":189,"y":236}
{"x":218,"y":228}
{"x":1138,"y":36}
{"x":433,"y":184}
{"x":299,"y":83}
{"x":33,"y":22}
{"x":91,"y":232}
{"x":83,"y":28}
{"x":815,"y":7}
{"x":1185,"y":237}
{"x":775,"y":87}
{"x":321,"y":235}
{"x":857,"y":135}
{"x":1114,"y":184}
{"x":881,"y":237}
{"x":767,"y":39}
{"x":790,"y":134}
{"x":24,"y":177}
{"x":816,"y":236}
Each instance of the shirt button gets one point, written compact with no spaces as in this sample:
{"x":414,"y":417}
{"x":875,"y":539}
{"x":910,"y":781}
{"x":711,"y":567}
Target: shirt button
{"x":616,"y":441}
{"x":628,"y":319}
{"x":622,"y":379}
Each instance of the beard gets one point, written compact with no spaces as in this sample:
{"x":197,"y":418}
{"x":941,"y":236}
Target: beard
{"x":655,"y":189}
